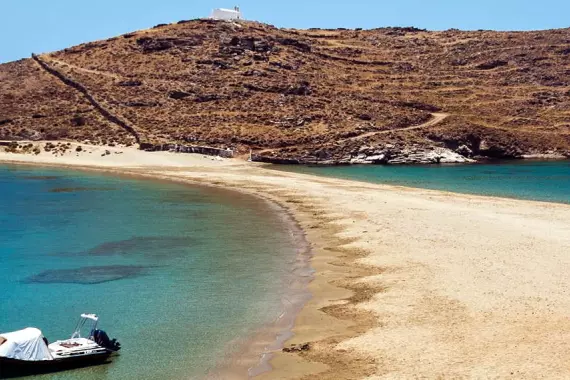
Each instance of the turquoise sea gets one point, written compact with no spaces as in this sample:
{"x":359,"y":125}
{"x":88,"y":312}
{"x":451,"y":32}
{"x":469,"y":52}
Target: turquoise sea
{"x":535,"y":180}
{"x":178,"y":274}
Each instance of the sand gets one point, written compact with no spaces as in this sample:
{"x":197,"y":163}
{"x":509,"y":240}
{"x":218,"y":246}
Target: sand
{"x":409,"y":283}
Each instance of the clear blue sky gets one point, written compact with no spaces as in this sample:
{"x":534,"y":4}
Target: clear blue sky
{"x":38,"y":26}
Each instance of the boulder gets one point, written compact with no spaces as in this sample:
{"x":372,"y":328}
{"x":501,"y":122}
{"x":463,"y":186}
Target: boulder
{"x":141,"y":104}
{"x":179,"y":95}
{"x":425,"y":156}
{"x":78,"y":121}
{"x":376,"y":159}
{"x":262,"y":46}
{"x":303,"y":89}
{"x":282,"y":65}
{"x":130,"y":83}
{"x":446,"y":156}
{"x":419,"y":106}
{"x":254,"y":73}
{"x":297,"y":348}
{"x":464,"y":150}
{"x":491,"y":65}
{"x":151,"y":45}
{"x":299,"y":45}
{"x":216,"y":63}
{"x":207,"y":98}
{"x":239,"y":45}
{"x":260,"y":58}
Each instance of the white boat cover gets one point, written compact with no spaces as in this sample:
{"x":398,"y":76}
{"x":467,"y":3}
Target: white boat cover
{"x":27,"y":344}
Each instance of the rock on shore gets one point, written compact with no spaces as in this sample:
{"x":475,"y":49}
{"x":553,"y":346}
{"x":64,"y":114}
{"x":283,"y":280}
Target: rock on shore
{"x":409,"y":156}
{"x":386,"y":155}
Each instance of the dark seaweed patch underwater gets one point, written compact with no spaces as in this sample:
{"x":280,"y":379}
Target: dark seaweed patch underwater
{"x":87,"y":275}
{"x":158,"y":246}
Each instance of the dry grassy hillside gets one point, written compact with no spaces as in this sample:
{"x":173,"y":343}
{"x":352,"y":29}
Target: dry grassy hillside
{"x":302,"y":94}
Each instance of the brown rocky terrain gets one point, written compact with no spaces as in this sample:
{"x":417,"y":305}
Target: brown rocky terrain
{"x":382,"y":95}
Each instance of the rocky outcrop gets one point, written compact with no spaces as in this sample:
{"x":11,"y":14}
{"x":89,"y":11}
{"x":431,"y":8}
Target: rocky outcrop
{"x":428,"y":156}
{"x":499,"y":151}
{"x":276,"y":160}
{"x":141,"y":104}
{"x":386,"y":155}
{"x":207,"y":98}
{"x":301,"y":89}
{"x":238,"y":45}
{"x":130,"y":83}
{"x":152,"y":45}
{"x":550,"y":155}
{"x":179,"y":95}
{"x":491,"y":65}
{"x":297,"y":44}
{"x":390,"y":155}
{"x":198,"y":98}
{"x":215,"y":63}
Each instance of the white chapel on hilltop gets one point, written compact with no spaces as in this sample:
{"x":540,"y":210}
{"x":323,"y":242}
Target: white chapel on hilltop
{"x":226,"y":14}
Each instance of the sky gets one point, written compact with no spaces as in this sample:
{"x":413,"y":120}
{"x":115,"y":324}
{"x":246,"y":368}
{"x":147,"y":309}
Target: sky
{"x":41,"y":26}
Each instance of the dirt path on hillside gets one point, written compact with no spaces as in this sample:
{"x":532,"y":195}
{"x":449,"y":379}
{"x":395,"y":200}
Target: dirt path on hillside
{"x":79,"y":68}
{"x":436,"y":119}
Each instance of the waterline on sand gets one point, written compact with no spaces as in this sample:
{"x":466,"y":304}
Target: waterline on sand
{"x":547,"y":181}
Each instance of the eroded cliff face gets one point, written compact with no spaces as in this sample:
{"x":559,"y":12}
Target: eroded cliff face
{"x":392,"y":95}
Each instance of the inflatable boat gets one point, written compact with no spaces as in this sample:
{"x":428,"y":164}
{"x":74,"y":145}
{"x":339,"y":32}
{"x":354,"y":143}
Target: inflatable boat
{"x":27,"y":352}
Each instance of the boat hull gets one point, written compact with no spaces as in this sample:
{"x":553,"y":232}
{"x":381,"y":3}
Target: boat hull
{"x":12,"y":368}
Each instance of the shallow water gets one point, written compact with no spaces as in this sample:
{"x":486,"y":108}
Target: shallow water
{"x":534,"y":180}
{"x":176,"y":273}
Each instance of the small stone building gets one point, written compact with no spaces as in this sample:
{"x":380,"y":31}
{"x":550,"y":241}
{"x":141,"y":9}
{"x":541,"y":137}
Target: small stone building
{"x":226,"y":14}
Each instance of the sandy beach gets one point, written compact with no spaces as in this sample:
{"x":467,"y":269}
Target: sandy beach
{"x":409,"y":283}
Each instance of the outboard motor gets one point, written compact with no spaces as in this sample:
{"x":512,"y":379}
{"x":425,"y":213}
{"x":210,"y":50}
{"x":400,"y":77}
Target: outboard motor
{"x":101,"y":338}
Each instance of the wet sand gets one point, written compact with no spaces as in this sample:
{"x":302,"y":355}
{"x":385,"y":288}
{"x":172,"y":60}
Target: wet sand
{"x":409,"y":283}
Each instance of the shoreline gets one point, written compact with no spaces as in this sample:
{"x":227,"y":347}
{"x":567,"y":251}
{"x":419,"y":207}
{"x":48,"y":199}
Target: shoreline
{"x":386,"y":176}
{"x":256,"y":350}
{"x":404,"y":276}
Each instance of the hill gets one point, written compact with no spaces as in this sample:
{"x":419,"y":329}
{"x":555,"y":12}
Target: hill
{"x":382,"y":95}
